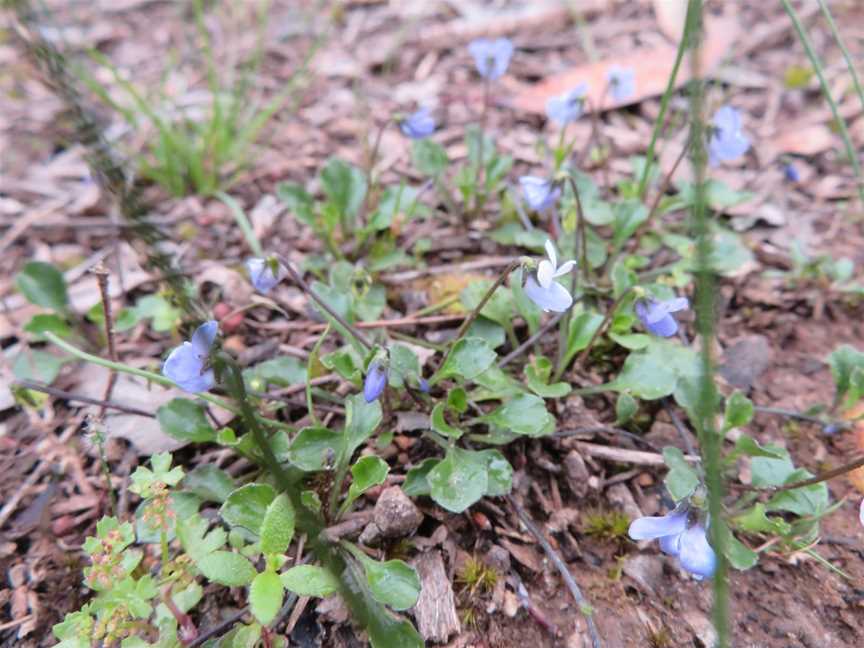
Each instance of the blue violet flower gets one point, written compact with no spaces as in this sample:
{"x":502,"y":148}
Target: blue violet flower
{"x":678,"y":537}
{"x":187,"y":366}
{"x":539,"y":193}
{"x":491,"y":56}
{"x":544,"y":291}
{"x":622,"y":82}
{"x":790,"y":173}
{"x":568,"y":107}
{"x":727,"y":141}
{"x":656,"y":316}
{"x":262,"y":276}
{"x":375,"y":382}
{"x":418,"y":125}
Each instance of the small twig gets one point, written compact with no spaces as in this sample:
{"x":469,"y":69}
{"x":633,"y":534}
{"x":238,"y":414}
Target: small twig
{"x":59,"y":393}
{"x":601,"y":429}
{"x":515,"y":353}
{"x":219,"y":628}
{"x":600,"y":329}
{"x":349,"y":526}
{"x":679,"y":426}
{"x":562,"y":568}
{"x":777,"y":411}
{"x":102,"y":280}
{"x":323,"y":304}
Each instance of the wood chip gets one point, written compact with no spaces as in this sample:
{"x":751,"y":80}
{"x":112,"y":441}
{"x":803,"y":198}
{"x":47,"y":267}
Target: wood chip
{"x":435,"y":610}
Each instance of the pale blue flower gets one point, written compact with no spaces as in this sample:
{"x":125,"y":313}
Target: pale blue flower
{"x":491,"y":56}
{"x":375,"y":382}
{"x":539,"y":193}
{"x":656,"y":315}
{"x":262,"y":276}
{"x":727,"y":141}
{"x":187,"y":366}
{"x":622,"y":82}
{"x":688,"y":542}
{"x":423,"y":384}
{"x":790,"y":172}
{"x":418,"y":125}
{"x":544,"y":291}
{"x":568,"y":107}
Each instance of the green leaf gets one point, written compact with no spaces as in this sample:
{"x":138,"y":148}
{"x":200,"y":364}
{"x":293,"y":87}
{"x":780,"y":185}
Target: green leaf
{"x":315,"y":448}
{"x":843,"y":361}
{"x":739,"y":411}
{"x":459,"y":480}
{"x":740,"y":556}
{"x":366,"y":472}
{"x":310,"y":500}
{"x":429,"y":157}
{"x":457,"y":400}
{"x":345,"y":361}
{"x":183,"y":504}
{"x":210,"y":483}
{"x":416,"y":482}
{"x":227,"y":568}
{"x":499,"y":472}
{"x":48,"y":323}
{"x":487,"y":330}
{"x":165,"y":316}
{"x":185,"y":420}
{"x":309,"y":580}
{"x":537,"y":374}
{"x":755,"y":520}
{"x":625,"y":408}
{"x":344,"y":185}
{"x":809,"y":500}
{"x":440,"y":424}
{"x":682,"y":479}
{"x":283,"y":371}
{"x":42,"y":284}
{"x":299,"y":202}
{"x":629,"y":215}
{"x":768,"y":471}
{"x":529,"y":311}
{"x":499,"y":308}
{"x":746,"y":445}
{"x":361,"y":421}
{"x":32,"y":364}
{"x":404,"y":364}
{"x":581,"y":330}
{"x":631,"y":341}
{"x":277,"y":528}
{"x":394,"y":200}
{"x":655,"y":371}
{"x":265,"y":596}
{"x":393,"y":582}
{"x":247,"y":506}
{"x":524,"y":414}
{"x":471,"y":356}
{"x":196,"y":542}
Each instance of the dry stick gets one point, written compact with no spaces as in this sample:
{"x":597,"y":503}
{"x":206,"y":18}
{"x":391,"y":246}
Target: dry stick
{"x":679,"y":426}
{"x":323,"y":304}
{"x":59,"y":393}
{"x":667,"y":181}
{"x":102,"y":280}
{"x":474,"y":313}
{"x":559,"y":563}
{"x":515,"y":353}
{"x":777,"y":411}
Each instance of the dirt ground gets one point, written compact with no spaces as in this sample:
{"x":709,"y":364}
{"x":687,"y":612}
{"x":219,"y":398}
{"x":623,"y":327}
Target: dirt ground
{"x":377,"y":58}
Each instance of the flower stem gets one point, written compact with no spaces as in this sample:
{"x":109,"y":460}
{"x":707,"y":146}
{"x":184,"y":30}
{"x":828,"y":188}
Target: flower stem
{"x":606,"y":319}
{"x":243,"y":223}
{"x":851,"y":152}
{"x":480,"y":193}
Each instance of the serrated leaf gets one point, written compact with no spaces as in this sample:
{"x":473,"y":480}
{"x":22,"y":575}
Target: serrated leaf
{"x":196,"y":542}
{"x":247,"y":506}
{"x":310,"y":580}
{"x":277,"y":528}
{"x":42,"y":284}
{"x":265,"y":596}
{"x":227,"y":568}
{"x":185,"y":420}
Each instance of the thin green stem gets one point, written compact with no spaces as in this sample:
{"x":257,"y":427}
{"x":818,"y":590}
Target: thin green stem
{"x":851,"y":152}
{"x":480,"y":194}
{"x":850,"y":63}
{"x":710,"y":439}
{"x":664,"y":106}
{"x":163,"y":543}
{"x":602,"y":327}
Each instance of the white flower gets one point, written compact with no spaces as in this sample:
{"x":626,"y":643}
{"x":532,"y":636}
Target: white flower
{"x":544,"y":291}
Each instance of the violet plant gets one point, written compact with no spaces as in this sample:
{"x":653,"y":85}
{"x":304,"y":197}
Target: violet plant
{"x":615,"y":309}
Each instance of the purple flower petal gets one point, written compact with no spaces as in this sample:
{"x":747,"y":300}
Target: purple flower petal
{"x":202,"y":338}
{"x":555,"y":298}
{"x":567,"y":107}
{"x":727,"y":141}
{"x":419,"y":125}
{"x":671,"y":544}
{"x":651,"y":528}
{"x":696,"y":555}
{"x":261,"y":274}
{"x":655,"y":316}
{"x":375,"y":382}
{"x":539,"y":193}
{"x":185,"y":365}
{"x":622,"y":82}
{"x":491,"y":56}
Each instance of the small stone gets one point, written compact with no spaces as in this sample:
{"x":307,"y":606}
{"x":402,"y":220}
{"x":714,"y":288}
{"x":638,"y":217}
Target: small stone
{"x":511,"y":604}
{"x":646,"y":570}
{"x":620,"y":495}
{"x":745,"y":360}
{"x":395,"y":515}
{"x":498,"y":558}
{"x":706,"y":635}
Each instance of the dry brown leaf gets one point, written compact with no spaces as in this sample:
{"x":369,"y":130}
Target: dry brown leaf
{"x":810,"y":140}
{"x":652,"y":66}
